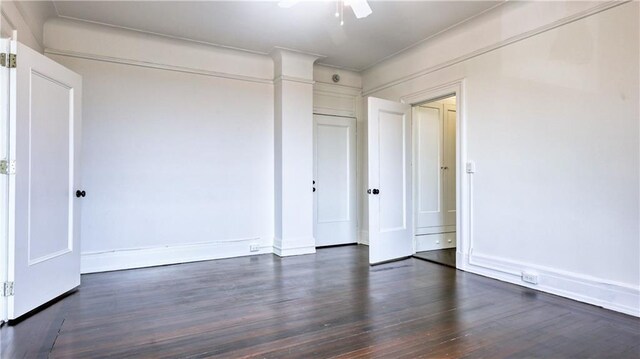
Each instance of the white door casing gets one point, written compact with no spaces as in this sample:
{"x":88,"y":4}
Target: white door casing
{"x":44,"y":250}
{"x":390,"y":200}
{"x":335,"y":218}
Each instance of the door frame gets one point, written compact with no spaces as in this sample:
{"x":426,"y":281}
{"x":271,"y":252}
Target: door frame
{"x":463,"y":207}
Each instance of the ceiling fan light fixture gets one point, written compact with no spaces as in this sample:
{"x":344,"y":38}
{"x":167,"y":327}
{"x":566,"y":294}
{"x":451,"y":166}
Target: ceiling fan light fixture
{"x":361,"y":8}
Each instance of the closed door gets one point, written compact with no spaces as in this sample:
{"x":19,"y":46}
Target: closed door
{"x":389,"y":192}
{"x":334,"y":180}
{"x":44,"y":240}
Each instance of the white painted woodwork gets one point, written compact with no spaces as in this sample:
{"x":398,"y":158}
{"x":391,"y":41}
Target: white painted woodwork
{"x":428,"y":128}
{"x":389,"y":159}
{"x":449,"y":164}
{"x":434,"y":241}
{"x":44,"y":252}
{"x":329,"y":99}
{"x":434,"y":131}
{"x":564,"y":175}
{"x":335,"y":180}
{"x":293,"y":141}
{"x":5,"y":47}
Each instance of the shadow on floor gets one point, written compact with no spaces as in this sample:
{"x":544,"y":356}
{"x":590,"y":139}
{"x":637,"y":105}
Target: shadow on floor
{"x":445,"y":257}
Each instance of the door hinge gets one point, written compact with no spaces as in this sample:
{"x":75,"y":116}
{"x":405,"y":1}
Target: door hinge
{"x":7,"y":167}
{"x":8,"y":60}
{"x":7,"y":289}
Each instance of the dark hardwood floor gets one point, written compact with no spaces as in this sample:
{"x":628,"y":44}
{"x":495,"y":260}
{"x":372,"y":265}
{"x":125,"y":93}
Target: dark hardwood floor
{"x":445,"y":257}
{"x":331,"y":304}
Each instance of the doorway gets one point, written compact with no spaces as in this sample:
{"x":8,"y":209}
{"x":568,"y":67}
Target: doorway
{"x":434,"y":172}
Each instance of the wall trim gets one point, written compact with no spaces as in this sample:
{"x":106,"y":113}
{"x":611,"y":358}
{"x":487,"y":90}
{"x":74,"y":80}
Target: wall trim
{"x":103,"y":261}
{"x":293,"y":79}
{"x":363,"y":237}
{"x":293,"y":251}
{"x":337,"y":88}
{"x":523,"y":36}
{"x":158,"y":66}
{"x":611,"y":295}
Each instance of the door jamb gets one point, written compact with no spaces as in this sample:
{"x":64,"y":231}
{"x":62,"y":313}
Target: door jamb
{"x":463,"y":225}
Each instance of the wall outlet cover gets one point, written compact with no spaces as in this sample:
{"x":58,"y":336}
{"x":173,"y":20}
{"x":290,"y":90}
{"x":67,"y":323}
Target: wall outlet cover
{"x":530,"y":277}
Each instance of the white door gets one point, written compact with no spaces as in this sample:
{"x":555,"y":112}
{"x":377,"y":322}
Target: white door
{"x":435,"y":167}
{"x":44,"y":241}
{"x":449,"y":165}
{"x":334,"y":180}
{"x":4,"y":180}
{"x":390,"y":201}
{"x":429,"y":168}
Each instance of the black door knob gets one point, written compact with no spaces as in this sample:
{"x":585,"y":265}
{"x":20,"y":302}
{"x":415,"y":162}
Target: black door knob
{"x":376,"y":191}
{"x":80,"y":193}
{"x":314,"y":189}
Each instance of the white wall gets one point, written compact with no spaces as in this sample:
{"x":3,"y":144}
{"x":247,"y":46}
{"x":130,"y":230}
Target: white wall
{"x":552,"y":124}
{"x":177,"y":153}
{"x":28,"y":18}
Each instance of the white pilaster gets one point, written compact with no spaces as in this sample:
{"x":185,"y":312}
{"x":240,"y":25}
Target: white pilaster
{"x":293,"y":106}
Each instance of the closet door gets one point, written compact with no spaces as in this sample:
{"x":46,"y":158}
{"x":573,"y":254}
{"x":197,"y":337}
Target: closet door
{"x":429,"y":167}
{"x":334,"y":180}
{"x":449,"y":165}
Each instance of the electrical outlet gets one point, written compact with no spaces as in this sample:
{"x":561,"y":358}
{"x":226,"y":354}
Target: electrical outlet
{"x":530,"y":277}
{"x":254,"y":247}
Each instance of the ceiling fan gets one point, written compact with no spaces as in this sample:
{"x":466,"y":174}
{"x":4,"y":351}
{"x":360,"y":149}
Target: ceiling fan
{"x":361,"y":8}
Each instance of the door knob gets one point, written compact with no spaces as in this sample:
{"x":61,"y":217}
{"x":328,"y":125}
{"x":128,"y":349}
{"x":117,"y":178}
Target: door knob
{"x":376,"y":191}
{"x":80,"y":193}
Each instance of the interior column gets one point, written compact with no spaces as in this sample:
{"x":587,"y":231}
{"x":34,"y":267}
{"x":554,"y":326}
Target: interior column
{"x":293,"y":95}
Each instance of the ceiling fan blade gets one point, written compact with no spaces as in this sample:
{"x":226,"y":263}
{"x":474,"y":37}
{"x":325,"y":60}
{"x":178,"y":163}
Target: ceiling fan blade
{"x":360,"y":8}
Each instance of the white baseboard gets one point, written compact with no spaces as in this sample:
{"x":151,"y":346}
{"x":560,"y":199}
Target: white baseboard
{"x":620,"y":297}
{"x":363,"y":237}
{"x":294,"y":246}
{"x":93,"y":262}
{"x":294,"y":251}
{"x":430,"y":242}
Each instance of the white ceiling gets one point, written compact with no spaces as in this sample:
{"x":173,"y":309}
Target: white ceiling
{"x":307,"y":26}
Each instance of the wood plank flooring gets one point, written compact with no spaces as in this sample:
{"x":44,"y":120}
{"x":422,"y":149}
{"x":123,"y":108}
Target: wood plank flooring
{"x":445,"y":257}
{"x":331,"y":304}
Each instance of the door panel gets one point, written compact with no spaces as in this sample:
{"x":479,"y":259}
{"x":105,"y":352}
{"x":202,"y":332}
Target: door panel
{"x":428,"y":122}
{"x":44,"y":255}
{"x":335,"y":180}
{"x":449,"y":137}
{"x":390,"y":202}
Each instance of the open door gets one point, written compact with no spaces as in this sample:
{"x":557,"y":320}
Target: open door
{"x":44,"y":213}
{"x":390,"y":197}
